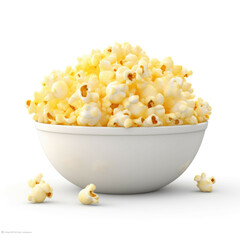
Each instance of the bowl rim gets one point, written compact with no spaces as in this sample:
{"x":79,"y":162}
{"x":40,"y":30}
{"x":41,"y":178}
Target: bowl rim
{"x":86,"y":130}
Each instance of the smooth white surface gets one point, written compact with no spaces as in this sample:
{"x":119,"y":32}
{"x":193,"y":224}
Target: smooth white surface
{"x":37,"y":37}
{"x":137,"y":160}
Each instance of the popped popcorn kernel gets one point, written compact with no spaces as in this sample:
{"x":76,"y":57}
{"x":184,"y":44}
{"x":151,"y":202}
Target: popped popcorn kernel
{"x":39,"y":190}
{"x":119,"y":87}
{"x":204,"y":183}
{"x":33,"y":182}
{"x":87,"y":196}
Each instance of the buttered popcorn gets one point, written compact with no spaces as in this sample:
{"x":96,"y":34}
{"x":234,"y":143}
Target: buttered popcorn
{"x":39,"y":189}
{"x":119,"y":87}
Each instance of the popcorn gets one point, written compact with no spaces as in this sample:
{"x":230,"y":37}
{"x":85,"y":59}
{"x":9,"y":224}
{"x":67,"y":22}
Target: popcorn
{"x":183,"y":108}
{"x":120,"y":119}
{"x":33,"y":182}
{"x":204,"y":183}
{"x":106,"y":77}
{"x":89,"y":115}
{"x":191,"y":120}
{"x":120,"y":86}
{"x":152,"y":101}
{"x":138,"y":122}
{"x":172,"y":90}
{"x":61,"y":119}
{"x":87,"y":196}
{"x":81,"y":93}
{"x":202,"y":110}
{"x":135,"y":107}
{"x":32,"y":107}
{"x":122,"y":73}
{"x":130,"y":60}
{"x":105,"y":65}
{"x":129,"y":76}
{"x":39,"y":190}
{"x":158,"y":110}
{"x":59,"y":89}
{"x":151,"y":121}
{"x":149,"y":90}
{"x":142,"y":69}
{"x":166,"y":64}
{"x":96,"y":57}
{"x":116,"y":92}
{"x":178,"y":81}
{"x":172,"y":119}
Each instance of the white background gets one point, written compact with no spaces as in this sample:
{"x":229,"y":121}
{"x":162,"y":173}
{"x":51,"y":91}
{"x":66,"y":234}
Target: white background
{"x":39,"y":36}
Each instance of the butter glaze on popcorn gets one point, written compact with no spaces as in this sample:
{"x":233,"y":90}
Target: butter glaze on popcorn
{"x":119,"y":87}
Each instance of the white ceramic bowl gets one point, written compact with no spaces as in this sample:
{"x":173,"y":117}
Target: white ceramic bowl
{"x":119,"y":160}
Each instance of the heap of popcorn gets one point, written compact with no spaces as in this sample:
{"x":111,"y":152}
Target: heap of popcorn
{"x":119,"y":87}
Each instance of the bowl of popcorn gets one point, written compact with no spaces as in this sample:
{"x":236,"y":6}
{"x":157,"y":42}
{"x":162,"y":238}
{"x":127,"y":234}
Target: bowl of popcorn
{"x":120,"y":120}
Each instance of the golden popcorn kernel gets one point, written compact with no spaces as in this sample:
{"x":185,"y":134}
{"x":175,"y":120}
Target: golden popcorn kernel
{"x":49,"y":194}
{"x":72,"y":107}
{"x":204,"y":183}
{"x":121,"y":62}
{"x":163,"y":68}
{"x":45,"y":102}
{"x":114,"y":105}
{"x":142,"y":67}
{"x":87,"y":196}
{"x":50,"y":116}
{"x":109,"y":50}
{"x":84,"y":90}
{"x":28,"y":102}
{"x":70,"y":71}
{"x":116,"y":125}
{"x":44,"y":84}
{"x":33,"y":182}
{"x":39,"y":190}
{"x":131,"y":76}
{"x":128,"y":123}
{"x":150,"y":104}
{"x":154,"y":120}
{"x":189,"y":73}
{"x":95,"y":112}
{"x":92,"y":194}
{"x":177,"y":69}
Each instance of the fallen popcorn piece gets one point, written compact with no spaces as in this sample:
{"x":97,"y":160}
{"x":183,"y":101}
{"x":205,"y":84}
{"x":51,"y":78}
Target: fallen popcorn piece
{"x":87,"y":196}
{"x":204,"y":183}
{"x":39,"y":192}
{"x":33,"y":182}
